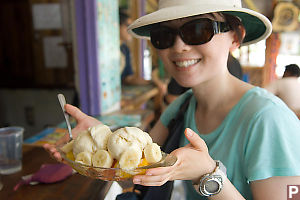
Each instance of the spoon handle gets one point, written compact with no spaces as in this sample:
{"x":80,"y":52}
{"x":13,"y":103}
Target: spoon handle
{"x":62,"y":101}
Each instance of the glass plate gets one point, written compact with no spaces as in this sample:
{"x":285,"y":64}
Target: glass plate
{"x":115,"y":174}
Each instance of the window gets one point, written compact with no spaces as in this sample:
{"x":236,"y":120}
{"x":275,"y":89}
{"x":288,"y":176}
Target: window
{"x":252,"y":55}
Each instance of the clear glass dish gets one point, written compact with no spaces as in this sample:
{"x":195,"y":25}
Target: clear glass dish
{"x":115,"y":174}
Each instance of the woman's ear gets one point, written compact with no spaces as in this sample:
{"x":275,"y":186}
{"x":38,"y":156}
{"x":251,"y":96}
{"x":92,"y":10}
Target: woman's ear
{"x":236,"y":43}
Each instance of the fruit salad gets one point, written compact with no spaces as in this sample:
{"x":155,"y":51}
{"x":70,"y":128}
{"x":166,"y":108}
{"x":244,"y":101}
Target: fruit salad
{"x":126,"y":148}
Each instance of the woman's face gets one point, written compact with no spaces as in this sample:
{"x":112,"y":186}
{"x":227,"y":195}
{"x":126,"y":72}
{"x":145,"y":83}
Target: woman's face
{"x":192,"y":65}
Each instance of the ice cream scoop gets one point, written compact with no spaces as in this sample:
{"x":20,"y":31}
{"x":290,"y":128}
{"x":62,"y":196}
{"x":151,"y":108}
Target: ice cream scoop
{"x":84,"y":143}
{"x":140,"y":136}
{"x":100,"y":135}
{"x":123,"y":138}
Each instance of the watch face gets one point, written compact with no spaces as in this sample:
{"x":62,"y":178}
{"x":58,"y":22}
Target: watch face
{"x":211,"y":186}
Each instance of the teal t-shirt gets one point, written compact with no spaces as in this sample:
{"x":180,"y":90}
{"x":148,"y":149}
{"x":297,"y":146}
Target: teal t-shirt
{"x":258,"y":139}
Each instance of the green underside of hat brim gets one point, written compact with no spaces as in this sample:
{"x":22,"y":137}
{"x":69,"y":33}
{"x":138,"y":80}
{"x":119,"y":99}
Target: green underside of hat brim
{"x":255,"y":28}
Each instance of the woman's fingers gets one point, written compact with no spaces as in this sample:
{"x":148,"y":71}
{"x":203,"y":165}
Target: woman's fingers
{"x":75,"y":112}
{"x":195,"y":140}
{"x":159,"y":171}
{"x":53,"y":152}
{"x":188,"y":157}
{"x":57,"y":156}
{"x":155,"y":177}
{"x":83,"y":121}
{"x":48,"y":147}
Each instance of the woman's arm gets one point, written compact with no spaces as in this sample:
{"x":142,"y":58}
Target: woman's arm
{"x":274,"y":188}
{"x":193,"y":161}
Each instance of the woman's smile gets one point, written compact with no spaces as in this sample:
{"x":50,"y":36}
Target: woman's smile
{"x":186,"y":63}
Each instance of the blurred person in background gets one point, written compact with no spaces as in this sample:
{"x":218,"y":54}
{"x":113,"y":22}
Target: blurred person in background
{"x":127,"y":74}
{"x":288,"y":87}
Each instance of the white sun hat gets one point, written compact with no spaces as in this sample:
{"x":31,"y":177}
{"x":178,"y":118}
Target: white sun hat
{"x":257,"y":26}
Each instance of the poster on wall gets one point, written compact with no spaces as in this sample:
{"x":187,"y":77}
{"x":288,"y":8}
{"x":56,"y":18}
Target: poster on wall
{"x":46,"y":16}
{"x":109,"y":54}
{"x":54,"y":53}
{"x":290,"y":43}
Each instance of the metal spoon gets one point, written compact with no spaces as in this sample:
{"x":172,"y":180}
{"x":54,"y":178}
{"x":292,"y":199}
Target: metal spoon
{"x":62,"y":101}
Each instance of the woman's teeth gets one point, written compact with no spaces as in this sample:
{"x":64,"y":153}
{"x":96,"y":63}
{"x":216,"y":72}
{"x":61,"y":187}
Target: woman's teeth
{"x":186,"y":63}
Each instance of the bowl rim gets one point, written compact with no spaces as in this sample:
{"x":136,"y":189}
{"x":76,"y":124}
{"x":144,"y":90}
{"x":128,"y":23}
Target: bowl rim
{"x":165,"y":157}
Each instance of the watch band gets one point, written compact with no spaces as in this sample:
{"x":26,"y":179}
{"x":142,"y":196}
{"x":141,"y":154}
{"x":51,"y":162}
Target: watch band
{"x":221,"y":167}
{"x":212,"y":183}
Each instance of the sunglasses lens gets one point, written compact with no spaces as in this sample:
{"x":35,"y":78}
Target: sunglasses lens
{"x":197,"y":32}
{"x":162,"y":37}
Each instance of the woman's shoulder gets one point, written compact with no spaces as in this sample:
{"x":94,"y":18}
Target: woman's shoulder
{"x":259,"y":103}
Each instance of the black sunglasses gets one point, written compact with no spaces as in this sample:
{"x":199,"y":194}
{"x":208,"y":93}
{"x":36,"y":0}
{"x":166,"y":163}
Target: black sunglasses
{"x":195,"y":32}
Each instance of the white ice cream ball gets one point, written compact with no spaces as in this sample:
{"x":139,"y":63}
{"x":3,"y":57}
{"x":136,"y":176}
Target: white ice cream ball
{"x":118,"y":142}
{"x":123,"y":138}
{"x":142,"y":137}
{"x":83,"y":142}
{"x":100,"y":135}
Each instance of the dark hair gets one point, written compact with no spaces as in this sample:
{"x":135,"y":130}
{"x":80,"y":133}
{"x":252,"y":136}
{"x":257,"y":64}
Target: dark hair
{"x":293,"y":70}
{"x":235,"y":24}
{"x":123,"y":17}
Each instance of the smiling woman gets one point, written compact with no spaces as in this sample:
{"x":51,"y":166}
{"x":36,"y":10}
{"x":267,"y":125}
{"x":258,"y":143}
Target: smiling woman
{"x":194,"y":49}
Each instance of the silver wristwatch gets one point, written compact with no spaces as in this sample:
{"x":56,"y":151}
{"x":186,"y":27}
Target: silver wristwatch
{"x":212,"y":183}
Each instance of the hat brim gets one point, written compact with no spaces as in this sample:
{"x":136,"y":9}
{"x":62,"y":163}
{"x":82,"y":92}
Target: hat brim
{"x":257,"y":26}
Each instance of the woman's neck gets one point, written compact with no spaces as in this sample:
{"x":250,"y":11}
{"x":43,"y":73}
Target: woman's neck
{"x":220,"y":95}
{"x":215,"y":100}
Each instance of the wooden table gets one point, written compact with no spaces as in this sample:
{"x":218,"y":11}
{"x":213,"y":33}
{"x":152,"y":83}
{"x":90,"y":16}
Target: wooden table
{"x":74,"y":187}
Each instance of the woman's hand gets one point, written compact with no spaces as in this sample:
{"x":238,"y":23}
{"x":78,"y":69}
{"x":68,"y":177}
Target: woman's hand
{"x":83,"y":122}
{"x":193,"y":161}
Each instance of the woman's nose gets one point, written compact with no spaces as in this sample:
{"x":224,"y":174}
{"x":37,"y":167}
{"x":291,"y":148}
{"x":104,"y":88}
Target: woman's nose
{"x":180,"y":45}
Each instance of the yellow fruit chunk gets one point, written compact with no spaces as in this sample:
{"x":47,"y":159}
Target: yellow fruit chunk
{"x":70,"y":156}
{"x":143,"y":162}
{"x":125,"y":175}
{"x":121,"y":173}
